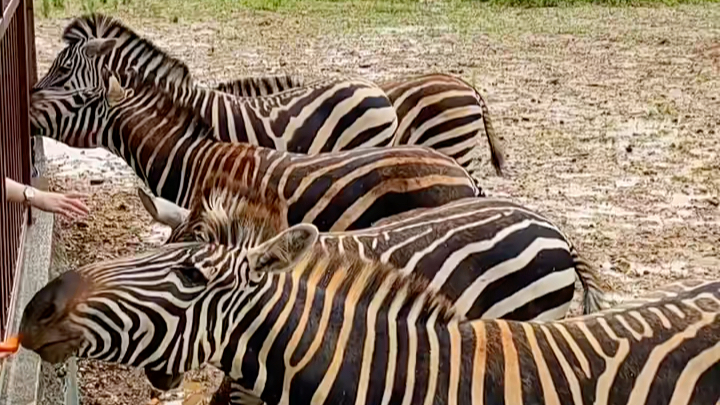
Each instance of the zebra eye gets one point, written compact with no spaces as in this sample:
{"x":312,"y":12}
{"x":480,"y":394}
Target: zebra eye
{"x":47,"y":312}
{"x":191,"y":277}
{"x":255,"y":278}
{"x":267,"y":260}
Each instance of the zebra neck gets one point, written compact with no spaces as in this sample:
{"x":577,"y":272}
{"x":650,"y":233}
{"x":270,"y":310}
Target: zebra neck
{"x":205,"y":104}
{"x":314,"y":320}
{"x":163,"y":144}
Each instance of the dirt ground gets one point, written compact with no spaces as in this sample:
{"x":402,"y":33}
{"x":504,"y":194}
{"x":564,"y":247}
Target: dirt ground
{"x":608,"y":118}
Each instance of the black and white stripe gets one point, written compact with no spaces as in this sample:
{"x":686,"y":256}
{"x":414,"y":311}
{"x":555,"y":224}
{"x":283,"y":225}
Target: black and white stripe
{"x":445,"y":113}
{"x":437,"y":110}
{"x":327,"y":115}
{"x":258,"y":86}
{"x":295,"y":324}
{"x":170,"y":148}
{"x":491,"y":258}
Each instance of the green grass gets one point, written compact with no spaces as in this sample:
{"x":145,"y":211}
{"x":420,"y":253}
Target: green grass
{"x":373,"y":9}
{"x":351,"y":12}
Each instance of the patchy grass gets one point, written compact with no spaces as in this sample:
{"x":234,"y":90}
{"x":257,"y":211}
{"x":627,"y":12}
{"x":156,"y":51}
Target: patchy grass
{"x":369,"y":11}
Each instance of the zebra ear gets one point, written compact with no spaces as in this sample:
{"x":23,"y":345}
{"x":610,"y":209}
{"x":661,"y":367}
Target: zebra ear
{"x":284,"y":251}
{"x":115,"y":93}
{"x":99,"y":46}
{"x":162,"y":210}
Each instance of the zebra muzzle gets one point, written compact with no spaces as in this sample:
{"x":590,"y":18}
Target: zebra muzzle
{"x":45,"y":327}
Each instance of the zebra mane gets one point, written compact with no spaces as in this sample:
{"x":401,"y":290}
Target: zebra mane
{"x":252,"y":86}
{"x":98,"y":25}
{"x":87,"y":27}
{"x":361,"y":277}
{"x":225,"y":210}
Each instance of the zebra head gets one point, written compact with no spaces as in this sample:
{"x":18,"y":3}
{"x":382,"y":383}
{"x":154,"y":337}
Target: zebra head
{"x":75,"y":116}
{"x":219,"y":212}
{"x":77,"y":65}
{"x":167,"y":310}
{"x":96,"y":42}
{"x":88,"y":46}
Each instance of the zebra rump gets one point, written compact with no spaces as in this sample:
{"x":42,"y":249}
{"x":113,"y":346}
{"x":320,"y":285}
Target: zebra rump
{"x":437,"y":110}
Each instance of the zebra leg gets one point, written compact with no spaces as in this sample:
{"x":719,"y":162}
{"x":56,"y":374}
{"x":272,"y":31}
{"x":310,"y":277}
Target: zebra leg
{"x":231,"y":392}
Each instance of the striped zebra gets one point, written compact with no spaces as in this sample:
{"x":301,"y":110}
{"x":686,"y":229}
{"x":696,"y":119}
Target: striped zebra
{"x":322,"y":116}
{"x":489,"y":257}
{"x":172,"y":151}
{"x":436,"y":110}
{"x":327,"y":115}
{"x":298,"y":324}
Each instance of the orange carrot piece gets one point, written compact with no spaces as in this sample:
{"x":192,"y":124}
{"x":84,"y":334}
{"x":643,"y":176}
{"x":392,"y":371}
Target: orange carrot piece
{"x":10,"y":345}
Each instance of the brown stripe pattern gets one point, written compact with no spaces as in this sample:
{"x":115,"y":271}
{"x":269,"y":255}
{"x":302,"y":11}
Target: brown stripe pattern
{"x":172,"y":150}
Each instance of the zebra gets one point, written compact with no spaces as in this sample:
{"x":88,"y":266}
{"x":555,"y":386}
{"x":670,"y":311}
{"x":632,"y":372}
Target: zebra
{"x":436,"y":110}
{"x":298,"y":324}
{"x":171,"y":150}
{"x":326,"y":115}
{"x":490,"y":258}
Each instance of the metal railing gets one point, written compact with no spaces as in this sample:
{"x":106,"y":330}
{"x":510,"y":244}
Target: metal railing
{"x":17,"y":73}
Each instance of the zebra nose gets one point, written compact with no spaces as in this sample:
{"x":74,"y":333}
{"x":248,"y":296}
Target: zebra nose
{"x":51,"y":304}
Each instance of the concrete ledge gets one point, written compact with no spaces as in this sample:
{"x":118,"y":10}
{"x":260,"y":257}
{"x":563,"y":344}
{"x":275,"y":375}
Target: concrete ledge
{"x":72,"y":394}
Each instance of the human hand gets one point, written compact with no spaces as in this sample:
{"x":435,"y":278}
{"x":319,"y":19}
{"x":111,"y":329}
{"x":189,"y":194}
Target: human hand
{"x":69,"y":204}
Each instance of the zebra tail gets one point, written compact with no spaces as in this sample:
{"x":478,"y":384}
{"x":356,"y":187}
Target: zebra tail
{"x":594,"y":296}
{"x":496,"y":153}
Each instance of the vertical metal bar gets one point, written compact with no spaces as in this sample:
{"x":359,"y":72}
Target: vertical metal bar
{"x":23,"y":91}
{"x":30,"y":42}
{"x":7,"y":231}
{"x":5,"y":220}
{"x":15,"y":158}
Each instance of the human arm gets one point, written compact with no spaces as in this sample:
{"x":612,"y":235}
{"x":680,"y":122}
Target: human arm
{"x":66,"y":204}
{"x":14,"y":191}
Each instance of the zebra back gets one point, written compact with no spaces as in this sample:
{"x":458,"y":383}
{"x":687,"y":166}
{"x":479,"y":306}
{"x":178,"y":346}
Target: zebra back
{"x":437,"y":94}
{"x":476,"y":252}
{"x":446,"y":113}
{"x":253,"y":86}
